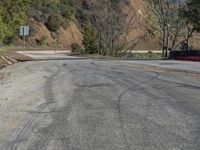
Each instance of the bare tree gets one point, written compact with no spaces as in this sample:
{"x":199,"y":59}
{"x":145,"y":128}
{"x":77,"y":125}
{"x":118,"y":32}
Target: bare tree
{"x":113,"y":20}
{"x":174,"y":19}
{"x":113,"y":24}
{"x":161,"y":10}
{"x":169,"y":21}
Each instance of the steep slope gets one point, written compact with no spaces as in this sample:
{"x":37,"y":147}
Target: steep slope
{"x":54,"y":24}
{"x":63,"y":38}
{"x":141,"y":35}
{"x":69,"y":36}
{"x":141,"y":31}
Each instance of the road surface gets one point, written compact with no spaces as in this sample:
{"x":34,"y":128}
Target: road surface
{"x":98,"y":105}
{"x":47,"y":54}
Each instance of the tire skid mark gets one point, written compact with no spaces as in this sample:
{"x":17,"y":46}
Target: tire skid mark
{"x":25,"y":126}
{"x":43,"y":138}
{"x":61,"y":128}
{"x":120,"y":109}
{"x":119,"y":98}
{"x":44,"y":134}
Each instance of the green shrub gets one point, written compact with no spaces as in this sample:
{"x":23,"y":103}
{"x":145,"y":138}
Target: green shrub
{"x":54,"y":22}
{"x":8,"y":40}
{"x":150,"y":54}
{"x":12,"y":15}
{"x":66,"y":8}
{"x":42,"y":41}
{"x":90,"y":39}
{"x":76,"y":48}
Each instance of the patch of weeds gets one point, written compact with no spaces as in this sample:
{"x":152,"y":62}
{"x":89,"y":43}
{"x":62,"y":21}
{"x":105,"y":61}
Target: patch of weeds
{"x":149,"y":55}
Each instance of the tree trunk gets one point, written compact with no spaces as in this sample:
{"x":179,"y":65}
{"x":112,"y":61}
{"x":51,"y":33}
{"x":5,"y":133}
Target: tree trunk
{"x":189,"y":35}
{"x":165,"y":41}
{"x":174,"y":41}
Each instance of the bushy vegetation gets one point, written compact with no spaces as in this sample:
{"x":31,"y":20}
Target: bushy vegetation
{"x":53,"y":13}
{"x":76,"y":48}
{"x":191,"y":12}
{"x":149,"y":55}
{"x":13,"y":13}
{"x":54,"y":22}
{"x":111,"y":24}
{"x":42,"y":41}
{"x":176,"y":20}
{"x":105,"y":25}
{"x":90,"y":38}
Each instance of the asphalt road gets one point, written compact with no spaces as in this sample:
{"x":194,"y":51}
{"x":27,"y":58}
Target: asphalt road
{"x":98,"y":105}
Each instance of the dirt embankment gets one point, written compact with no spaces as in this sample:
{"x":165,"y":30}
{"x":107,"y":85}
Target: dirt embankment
{"x":63,"y":38}
{"x":11,"y":57}
{"x":141,"y":33}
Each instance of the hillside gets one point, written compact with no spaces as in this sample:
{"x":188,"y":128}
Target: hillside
{"x":140,"y":32}
{"x":58,"y":23}
{"x":62,"y":39}
{"x":142,"y":28}
{"x":54,"y":24}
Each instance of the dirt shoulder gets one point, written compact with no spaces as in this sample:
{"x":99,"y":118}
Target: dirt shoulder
{"x":16,"y":56}
{"x":10,"y":58}
{"x":14,"y":49}
{"x":2,"y":63}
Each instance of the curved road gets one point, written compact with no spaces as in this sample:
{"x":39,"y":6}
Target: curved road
{"x":98,"y":105}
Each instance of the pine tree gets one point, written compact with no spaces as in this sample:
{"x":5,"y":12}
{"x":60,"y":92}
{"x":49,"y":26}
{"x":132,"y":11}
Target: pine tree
{"x":90,"y":39}
{"x":192,"y":13}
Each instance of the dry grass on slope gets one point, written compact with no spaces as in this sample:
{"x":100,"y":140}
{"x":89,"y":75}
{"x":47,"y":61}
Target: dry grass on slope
{"x":63,"y":38}
{"x":141,"y":30}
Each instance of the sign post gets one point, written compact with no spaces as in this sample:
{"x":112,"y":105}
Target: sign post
{"x":24,"y":31}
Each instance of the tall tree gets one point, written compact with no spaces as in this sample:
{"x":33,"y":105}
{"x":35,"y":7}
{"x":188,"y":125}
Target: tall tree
{"x":90,"y":38}
{"x":13,"y":14}
{"x":112,"y":23}
{"x":191,"y":13}
{"x":164,"y":12}
{"x":3,"y":26}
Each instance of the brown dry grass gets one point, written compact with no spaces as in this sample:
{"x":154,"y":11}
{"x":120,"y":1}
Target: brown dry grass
{"x":64,"y":39}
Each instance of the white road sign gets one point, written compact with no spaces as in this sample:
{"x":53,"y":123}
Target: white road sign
{"x":24,"y":30}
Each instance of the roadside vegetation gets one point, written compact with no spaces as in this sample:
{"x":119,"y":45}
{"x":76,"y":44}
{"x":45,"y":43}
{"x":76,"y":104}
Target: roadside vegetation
{"x":106,"y":27}
{"x":105,"y":24}
{"x":13,"y":13}
{"x":149,"y":55}
{"x":176,"y":21}
{"x":173,"y":21}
